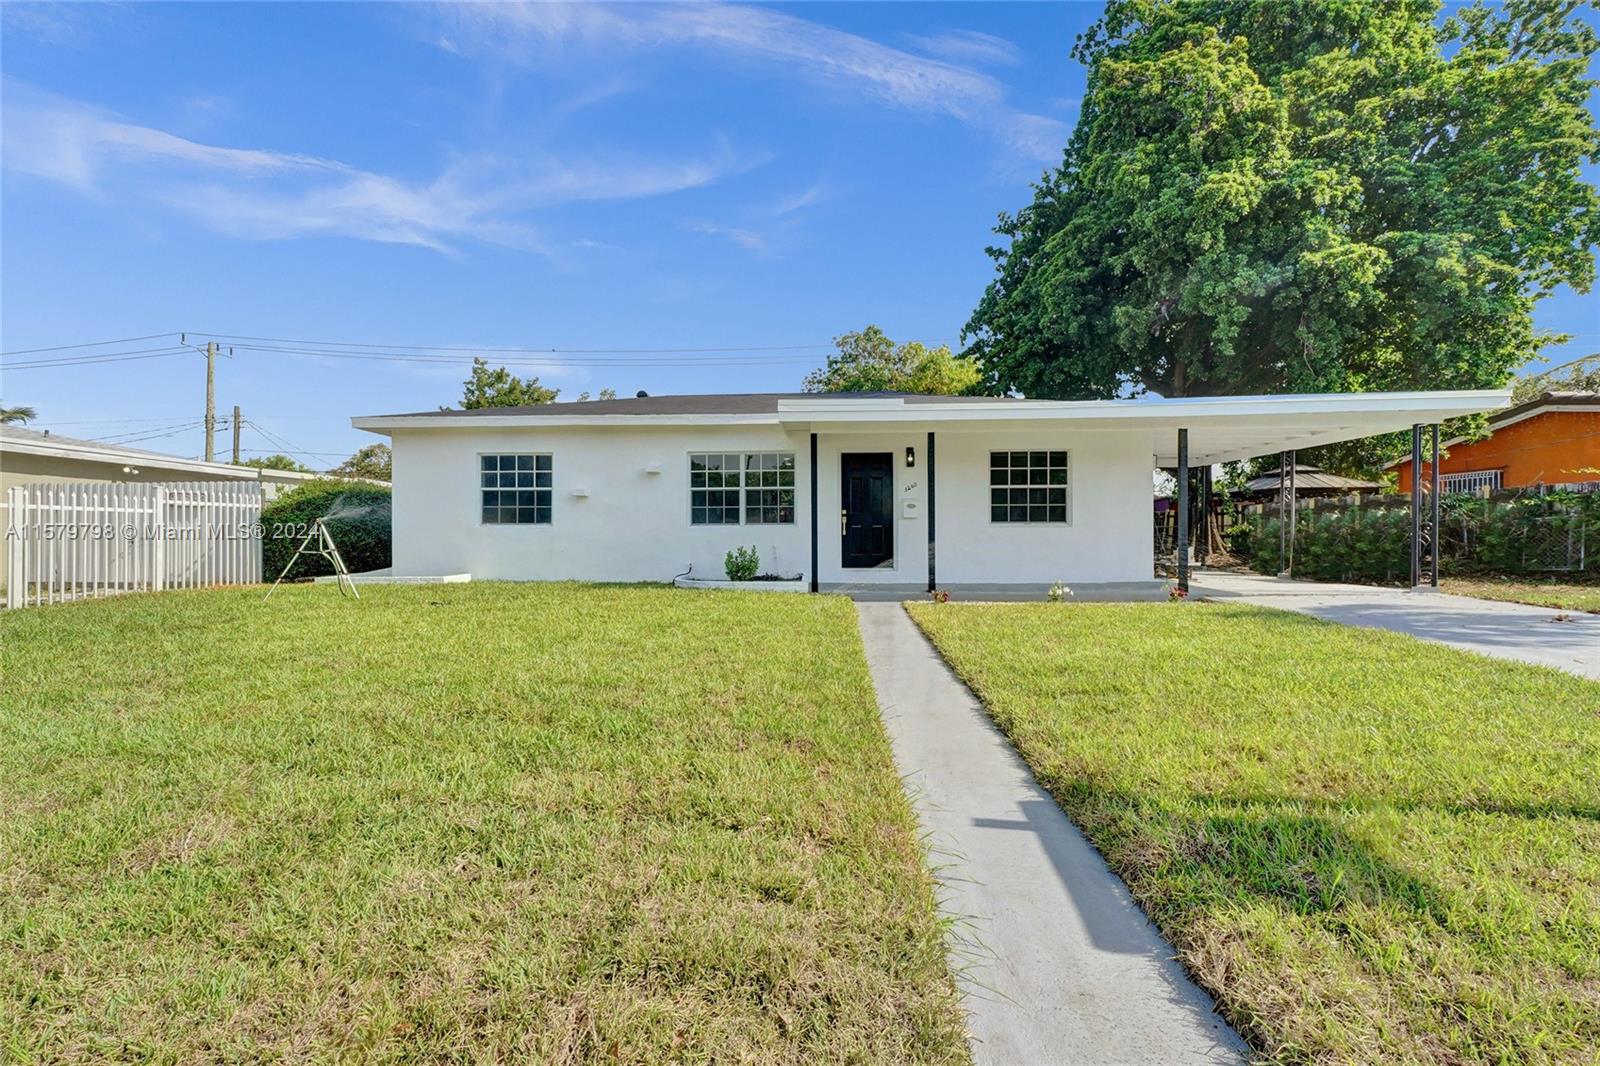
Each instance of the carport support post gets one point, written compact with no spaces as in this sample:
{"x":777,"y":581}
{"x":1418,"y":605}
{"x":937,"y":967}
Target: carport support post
{"x":1203,"y":538}
{"x":933,"y":576}
{"x":1418,"y":523}
{"x":1433,"y":509}
{"x":1183,"y":511}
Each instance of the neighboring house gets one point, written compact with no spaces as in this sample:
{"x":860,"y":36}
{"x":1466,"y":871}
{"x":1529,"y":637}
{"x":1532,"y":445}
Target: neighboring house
{"x":886,"y":491}
{"x":1308,"y":481}
{"x":1554,"y":440}
{"x":29,"y":455}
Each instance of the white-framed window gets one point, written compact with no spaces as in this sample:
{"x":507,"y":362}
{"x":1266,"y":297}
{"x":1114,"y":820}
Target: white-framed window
{"x":1030,"y":487}
{"x":516,"y":488}
{"x":734,"y":488}
{"x":1473,"y":481}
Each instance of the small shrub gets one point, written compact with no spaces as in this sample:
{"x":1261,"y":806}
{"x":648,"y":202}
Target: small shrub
{"x":357,"y":516}
{"x":742,"y":564}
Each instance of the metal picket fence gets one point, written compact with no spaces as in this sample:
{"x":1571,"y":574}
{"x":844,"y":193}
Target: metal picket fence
{"x":78,"y":541}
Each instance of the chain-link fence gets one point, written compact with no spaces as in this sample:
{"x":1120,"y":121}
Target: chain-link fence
{"x":1529,"y":531}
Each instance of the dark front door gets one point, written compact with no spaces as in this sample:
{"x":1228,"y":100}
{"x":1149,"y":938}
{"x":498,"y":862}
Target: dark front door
{"x":867,"y":509}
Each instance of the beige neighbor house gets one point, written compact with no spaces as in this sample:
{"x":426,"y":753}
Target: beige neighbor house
{"x":29,"y":456}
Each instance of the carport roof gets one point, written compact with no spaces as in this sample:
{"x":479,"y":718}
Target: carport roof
{"x":1220,"y":428}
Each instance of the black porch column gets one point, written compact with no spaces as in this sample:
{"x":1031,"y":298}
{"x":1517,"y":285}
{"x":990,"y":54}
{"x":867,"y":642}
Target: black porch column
{"x":1202,"y":545}
{"x":1183,"y":511}
{"x":1433,"y":510}
{"x":932,"y":574}
{"x":813,"y":512}
{"x":1416,"y":504}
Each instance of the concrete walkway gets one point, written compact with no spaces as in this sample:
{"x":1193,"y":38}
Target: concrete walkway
{"x":1055,"y":961}
{"x":1489,"y":627}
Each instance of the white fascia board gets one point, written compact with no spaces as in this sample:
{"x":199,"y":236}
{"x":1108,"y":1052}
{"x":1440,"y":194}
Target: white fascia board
{"x":1424,"y":406}
{"x":1326,"y":413}
{"x":389,"y":423}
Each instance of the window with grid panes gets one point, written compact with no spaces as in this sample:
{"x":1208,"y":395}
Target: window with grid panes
{"x":1029,"y":486}
{"x":734,"y":488}
{"x":516,"y":489}
{"x":769,"y":488}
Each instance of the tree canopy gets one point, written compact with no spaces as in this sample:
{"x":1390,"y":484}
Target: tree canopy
{"x":277,"y":462}
{"x":868,"y":361}
{"x":1301,"y":195}
{"x":498,"y":387}
{"x":17,"y":415}
{"x":375,"y":461}
{"x":1580,"y":375}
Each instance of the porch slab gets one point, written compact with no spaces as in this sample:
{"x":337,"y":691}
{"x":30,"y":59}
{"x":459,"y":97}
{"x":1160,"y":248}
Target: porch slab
{"x":1055,"y":961}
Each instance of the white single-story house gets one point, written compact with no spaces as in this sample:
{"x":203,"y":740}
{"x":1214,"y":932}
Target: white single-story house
{"x":888,"y":492}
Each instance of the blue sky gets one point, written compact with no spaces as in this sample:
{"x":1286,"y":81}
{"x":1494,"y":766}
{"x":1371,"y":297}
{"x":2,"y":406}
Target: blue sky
{"x":603,"y":177}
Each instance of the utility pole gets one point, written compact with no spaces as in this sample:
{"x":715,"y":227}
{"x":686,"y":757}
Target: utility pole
{"x":211,"y":401}
{"x":235,"y":434}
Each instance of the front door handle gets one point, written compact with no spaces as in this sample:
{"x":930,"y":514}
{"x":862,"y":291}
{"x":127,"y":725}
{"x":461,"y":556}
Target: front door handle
{"x":844,"y":522}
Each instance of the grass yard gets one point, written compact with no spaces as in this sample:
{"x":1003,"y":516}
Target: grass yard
{"x":1562,"y":596}
{"x":471,"y":823}
{"x":1368,"y":848}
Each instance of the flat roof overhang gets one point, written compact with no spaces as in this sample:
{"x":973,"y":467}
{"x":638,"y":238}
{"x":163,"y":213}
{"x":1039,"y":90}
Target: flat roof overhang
{"x":1221,"y":428}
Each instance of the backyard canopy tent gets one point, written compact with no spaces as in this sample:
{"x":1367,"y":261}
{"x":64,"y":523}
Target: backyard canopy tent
{"x":881,"y":491}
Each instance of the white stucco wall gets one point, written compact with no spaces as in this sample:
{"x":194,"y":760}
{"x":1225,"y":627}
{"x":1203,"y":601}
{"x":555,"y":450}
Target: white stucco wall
{"x":634,"y":525}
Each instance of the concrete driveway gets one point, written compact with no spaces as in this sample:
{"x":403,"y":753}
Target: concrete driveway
{"x":1489,"y":627}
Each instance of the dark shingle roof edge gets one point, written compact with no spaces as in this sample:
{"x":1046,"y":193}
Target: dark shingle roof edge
{"x":738,"y":403}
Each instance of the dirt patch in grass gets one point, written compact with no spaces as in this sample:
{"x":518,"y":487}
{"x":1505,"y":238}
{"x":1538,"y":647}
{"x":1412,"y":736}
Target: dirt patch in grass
{"x":481,"y":822}
{"x":1368,"y":848}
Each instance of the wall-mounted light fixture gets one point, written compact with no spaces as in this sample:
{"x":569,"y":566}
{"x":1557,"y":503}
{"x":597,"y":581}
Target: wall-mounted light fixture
{"x":911,"y":456}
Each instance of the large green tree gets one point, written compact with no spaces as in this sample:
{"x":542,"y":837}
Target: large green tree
{"x":1301,"y":195}
{"x":374,"y":461}
{"x":277,"y":462}
{"x":1579,"y":375}
{"x":868,"y":361}
{"x":498,"y":387}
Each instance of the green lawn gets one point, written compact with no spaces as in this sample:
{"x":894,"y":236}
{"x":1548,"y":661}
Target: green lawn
{"x":477,"y":823}
{"x":1560,"y":595}
{"x":1368,"y":848}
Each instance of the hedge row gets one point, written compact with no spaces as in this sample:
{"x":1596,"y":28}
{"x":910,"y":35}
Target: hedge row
{"x":356,"y":514}
{"x":1558,"y":533}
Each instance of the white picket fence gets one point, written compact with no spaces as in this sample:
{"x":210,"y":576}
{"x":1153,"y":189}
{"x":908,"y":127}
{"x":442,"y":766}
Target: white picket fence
{"x":77,"y":541}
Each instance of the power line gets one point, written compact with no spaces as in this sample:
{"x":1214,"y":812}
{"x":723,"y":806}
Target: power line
{"x":273,"y":438}
{"x":464,"y":360}
{"x":541,"y":349}
{"x":169,"y":431}
{"x":87,"y":344}
{"x":105,"y":357}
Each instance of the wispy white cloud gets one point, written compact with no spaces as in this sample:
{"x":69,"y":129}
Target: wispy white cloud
{"x":969,"y":46}
{"x":270,"y":194}
{"x":790,"y":46}
{"x":808,"y":197}
{"x":748,"y":239}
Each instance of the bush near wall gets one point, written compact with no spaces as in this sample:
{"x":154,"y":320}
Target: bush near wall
{"x":1371,"y":543}
{"x":357,"y":515}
